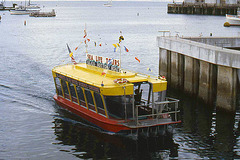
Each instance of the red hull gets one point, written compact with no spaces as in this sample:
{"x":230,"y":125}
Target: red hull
{"x":91,"y":116}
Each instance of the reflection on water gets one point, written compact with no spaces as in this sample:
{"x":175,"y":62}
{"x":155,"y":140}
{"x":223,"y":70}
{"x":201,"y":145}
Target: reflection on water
{"x":89,"y":142}
{"x":204,"y":133}
{"x":209,"y":130}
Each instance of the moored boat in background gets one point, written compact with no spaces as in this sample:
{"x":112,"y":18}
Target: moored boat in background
{"x":233,"y":19}
{"x":109,"y":4}
{"x":25,"y":9}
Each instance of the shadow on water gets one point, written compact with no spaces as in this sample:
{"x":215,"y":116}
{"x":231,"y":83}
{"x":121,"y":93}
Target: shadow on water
{"x":87,"y":141}
{"x":212,"y":132}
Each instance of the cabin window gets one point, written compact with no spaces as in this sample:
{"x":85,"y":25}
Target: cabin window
{"x":65,"y":89}
{"x":89,"y":97}
{"x":116,"y":106}
{"x":89,"y":100}
{"x":58,"y":86}
{"x":99,"y":103}
{"x":80,"y":95}
{"x":73,"y":93}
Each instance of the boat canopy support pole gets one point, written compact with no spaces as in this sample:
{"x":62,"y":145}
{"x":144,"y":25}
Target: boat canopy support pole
{"x":125,"y":103}
{"x":149,"y":94}
{"x":133,"y":108}
{"x":69,"y":93}
{"x":55,"y":85}
{"x":104,"y":104}
{"x":75,"y":88}
{"x":61,"y":81}
{"x":153,"y":103}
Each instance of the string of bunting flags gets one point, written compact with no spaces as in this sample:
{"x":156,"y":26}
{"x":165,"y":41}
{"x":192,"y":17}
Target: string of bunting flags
{"x":87,"y":40}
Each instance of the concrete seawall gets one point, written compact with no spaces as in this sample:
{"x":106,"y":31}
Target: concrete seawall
{"x":202,"y":67}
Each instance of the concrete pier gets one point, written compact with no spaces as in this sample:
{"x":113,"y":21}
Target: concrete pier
{"x":203,"y":67}
{"x":203,"y":8}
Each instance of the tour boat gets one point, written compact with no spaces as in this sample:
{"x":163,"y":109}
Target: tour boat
{"x":114,"y":99}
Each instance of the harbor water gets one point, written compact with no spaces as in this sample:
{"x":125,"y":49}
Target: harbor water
{"x":32,"y":126}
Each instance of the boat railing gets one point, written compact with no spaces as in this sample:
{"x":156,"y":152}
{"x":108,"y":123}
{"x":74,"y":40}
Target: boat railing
{"x":168,"y":107}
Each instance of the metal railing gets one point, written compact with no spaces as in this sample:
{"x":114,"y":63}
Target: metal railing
{"x":156,"y":115}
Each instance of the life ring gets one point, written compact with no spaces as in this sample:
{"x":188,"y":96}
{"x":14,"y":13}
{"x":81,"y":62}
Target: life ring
{"x":120,"y":80}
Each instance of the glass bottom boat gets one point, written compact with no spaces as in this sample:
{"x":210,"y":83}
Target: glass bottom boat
{"x":117,"y":101}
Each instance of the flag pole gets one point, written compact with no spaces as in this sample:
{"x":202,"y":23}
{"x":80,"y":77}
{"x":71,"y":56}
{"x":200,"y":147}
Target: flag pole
{"x":120,"y":58}
{"x":85,"y":36}
{"x":120,"y":50}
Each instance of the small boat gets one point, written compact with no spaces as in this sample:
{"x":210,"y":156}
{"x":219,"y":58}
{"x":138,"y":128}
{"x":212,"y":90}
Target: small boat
{"x":109,"y":4}
{"x":24,"y":10}
{"x":116,"y":100}
{"x":233,"y":19}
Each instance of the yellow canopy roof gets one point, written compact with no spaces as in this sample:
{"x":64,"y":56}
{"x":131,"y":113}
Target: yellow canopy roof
{"x":95,"y":76}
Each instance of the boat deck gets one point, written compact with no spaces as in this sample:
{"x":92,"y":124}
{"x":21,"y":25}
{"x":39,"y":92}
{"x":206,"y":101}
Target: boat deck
{"x":148,"y":123}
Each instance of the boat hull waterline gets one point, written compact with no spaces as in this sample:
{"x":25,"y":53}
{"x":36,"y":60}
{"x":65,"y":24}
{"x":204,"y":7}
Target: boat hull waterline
{"x":98,"y":120}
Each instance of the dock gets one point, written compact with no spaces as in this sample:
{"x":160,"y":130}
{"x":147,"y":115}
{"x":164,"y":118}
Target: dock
{"x":205,"y":67}
{"x":4,"y":8}
{"x":43,"y":14}
{"x":203,"y":8}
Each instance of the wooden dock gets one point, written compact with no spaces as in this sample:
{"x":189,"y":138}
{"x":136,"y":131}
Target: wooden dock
{"x":203,"y":9}
{"x":8,"y":8}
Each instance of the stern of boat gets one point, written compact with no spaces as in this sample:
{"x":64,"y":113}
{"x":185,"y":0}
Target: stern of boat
{"x":154,"y":119}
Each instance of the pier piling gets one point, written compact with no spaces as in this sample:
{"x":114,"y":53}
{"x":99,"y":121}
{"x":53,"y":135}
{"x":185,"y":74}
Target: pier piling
{"x":203,"y":67}
{"x":203,"y":8}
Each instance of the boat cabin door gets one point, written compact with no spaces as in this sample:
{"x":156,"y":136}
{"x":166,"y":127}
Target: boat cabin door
{"x":142,"y":93}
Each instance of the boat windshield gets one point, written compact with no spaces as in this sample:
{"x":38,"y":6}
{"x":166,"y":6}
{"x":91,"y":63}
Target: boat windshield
{"x":116,"y":106}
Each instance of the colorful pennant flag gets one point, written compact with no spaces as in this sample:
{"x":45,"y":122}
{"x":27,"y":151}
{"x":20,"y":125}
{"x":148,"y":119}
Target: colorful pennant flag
{"x":126,"y":49}
{"x":116,"y":46}
{"x":115,"y":49}
{"x":149,"y":69}
{"x":85,"y":33}
{"x":137,"y":59}
{"x":110,"y":61}
{"x":78,"y":46}
{"x":71,"y":55}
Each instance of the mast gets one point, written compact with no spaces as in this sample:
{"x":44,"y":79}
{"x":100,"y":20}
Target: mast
{"x":120,"y":40}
